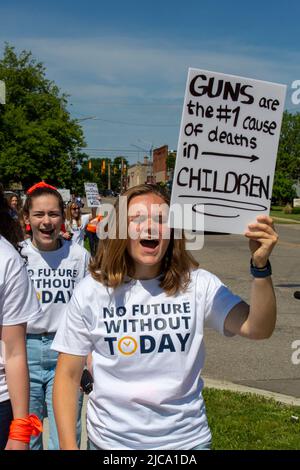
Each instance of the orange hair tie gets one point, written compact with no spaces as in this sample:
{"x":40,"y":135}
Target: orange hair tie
{"x":22,"y":429}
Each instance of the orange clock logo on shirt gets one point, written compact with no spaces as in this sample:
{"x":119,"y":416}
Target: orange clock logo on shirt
{"x":127,"y":345}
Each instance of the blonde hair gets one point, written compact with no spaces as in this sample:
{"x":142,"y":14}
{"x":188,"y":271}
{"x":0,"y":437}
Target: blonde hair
{"x":111,"y":264}
{"x":69,"y":216}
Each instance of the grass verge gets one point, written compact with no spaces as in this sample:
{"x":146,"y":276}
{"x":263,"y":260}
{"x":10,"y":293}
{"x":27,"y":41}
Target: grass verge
{"x":241,"y":421}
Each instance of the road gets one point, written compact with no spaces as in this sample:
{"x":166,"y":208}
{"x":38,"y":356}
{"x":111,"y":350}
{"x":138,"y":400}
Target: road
{"x":263,"y":364}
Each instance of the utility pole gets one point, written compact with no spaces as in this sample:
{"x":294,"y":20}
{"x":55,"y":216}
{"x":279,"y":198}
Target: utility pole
{"x":151,"y":164}
{"x":108,"y":175}
{"x":121,"y":179}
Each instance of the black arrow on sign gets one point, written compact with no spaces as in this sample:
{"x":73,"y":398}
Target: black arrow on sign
{"x":252,"y":158}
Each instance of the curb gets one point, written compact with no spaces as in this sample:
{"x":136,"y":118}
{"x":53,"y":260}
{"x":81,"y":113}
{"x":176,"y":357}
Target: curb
{"x":282,"y":219}
{"x":224,"y":385}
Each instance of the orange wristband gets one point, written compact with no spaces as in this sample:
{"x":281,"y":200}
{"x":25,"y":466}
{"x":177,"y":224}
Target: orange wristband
{"x":22,"y":429}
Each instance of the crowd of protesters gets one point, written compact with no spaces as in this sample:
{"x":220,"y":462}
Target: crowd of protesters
{"x":62,"y":309}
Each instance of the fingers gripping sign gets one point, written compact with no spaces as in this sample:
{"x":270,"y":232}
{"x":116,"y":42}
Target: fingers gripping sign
{"x":262,"y":239}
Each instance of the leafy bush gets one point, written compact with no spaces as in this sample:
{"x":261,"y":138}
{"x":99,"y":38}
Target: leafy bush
{"x":288,"y":209}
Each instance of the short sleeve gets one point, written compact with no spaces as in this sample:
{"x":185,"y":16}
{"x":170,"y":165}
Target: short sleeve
{"x":18,"y":299}
{"x":72,"y":336}
{"x":86,"y":263}
{"x":218,"y":303}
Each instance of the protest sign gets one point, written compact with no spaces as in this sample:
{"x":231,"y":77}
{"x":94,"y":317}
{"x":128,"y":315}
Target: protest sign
{"x":2,"y":92}
{"x":65,"y":194}
{"x":227,"y":151}
{"x":92,"y":194}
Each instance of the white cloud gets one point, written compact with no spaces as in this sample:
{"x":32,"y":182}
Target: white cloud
{"x":122,"y":67}
{"x":117,"y":69}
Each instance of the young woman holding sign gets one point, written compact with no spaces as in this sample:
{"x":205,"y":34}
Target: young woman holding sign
{"x":142,"y":313}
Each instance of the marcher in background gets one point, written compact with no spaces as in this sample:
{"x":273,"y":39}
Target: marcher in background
{"x":142,"y":313}
{"x":15,"y":205}
{"x":79,"y":202}
{"x":75,"y":223}
{"x":10,"y":227}
{"x":18,"y":304}
{"x":55,"y":266}
{"x":91,"y":228}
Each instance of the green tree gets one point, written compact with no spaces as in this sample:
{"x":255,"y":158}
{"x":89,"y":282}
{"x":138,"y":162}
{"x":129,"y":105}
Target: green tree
{"x":95,"y":170}
{"x":288,"y":159}
{"x":38,"y":138}
{"x":283,"y":190}
{"x":117,"y":165}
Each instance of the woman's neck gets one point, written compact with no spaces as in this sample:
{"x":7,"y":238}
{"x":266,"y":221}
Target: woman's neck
{"x":57,"y":244}
{"x":144,"y":273}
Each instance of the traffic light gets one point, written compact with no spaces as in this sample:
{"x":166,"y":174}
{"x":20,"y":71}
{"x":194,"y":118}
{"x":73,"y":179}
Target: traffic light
{"x":90,"y":164}
{"x":103,"y":167}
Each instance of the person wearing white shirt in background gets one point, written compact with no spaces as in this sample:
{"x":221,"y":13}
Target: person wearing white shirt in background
{"x":141,"y":312}
{"x":75,"y":223}
{"x":55,"y":266}
{"x":18,"y":304}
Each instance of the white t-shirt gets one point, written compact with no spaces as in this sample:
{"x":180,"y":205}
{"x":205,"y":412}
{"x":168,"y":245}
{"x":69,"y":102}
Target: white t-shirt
{"x":148,"y":354}
{"x":18,"y":301}
{"x":54,"y":275}
{"x":78,"y":232}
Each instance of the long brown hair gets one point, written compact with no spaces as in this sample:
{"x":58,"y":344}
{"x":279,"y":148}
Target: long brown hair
{"x":19,"y":202}
{"x":111,"y":264}
{"x":9,"y":227}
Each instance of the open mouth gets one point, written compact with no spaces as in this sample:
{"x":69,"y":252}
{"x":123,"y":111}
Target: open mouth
{"x":47,"y":232}
{"x":146,"y":243}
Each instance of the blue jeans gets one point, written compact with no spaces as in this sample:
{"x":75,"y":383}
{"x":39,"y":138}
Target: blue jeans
{"x":6,"y":416}
{"x":42,"y":363}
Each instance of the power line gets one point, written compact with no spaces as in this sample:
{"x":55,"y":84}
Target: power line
{"x":110,"y":150}
{"x":134,"y":123}
{"x":154,"y":105}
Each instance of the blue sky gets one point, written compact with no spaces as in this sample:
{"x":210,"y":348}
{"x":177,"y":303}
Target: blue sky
{"x":125,"y":62}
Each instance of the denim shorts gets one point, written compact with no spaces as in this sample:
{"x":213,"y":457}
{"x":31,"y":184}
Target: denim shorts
{"x":42,"y":362}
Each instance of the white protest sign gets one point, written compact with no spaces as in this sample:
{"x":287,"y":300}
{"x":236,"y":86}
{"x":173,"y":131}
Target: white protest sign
{"x":227,"y":151}
{"x":2,"y":92}
{"x":296,"y":202}
{"x":92,"y":194}
{"x":65,"y":194}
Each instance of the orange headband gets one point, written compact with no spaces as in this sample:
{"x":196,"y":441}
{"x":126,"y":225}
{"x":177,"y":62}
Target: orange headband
{"x":40,"y":185}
